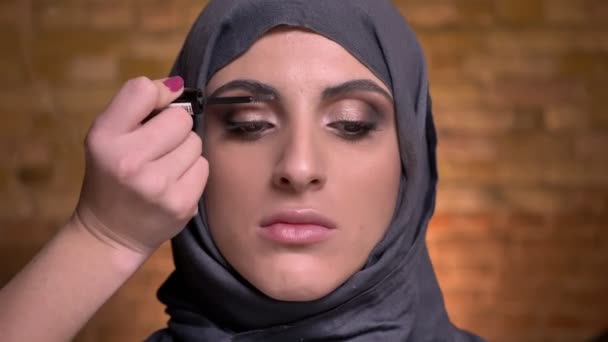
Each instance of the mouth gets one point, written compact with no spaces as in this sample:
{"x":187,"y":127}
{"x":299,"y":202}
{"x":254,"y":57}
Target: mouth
{"x":297,"y":227}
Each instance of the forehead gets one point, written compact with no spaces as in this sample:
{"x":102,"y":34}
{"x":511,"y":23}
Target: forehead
{"x":286,"y":56}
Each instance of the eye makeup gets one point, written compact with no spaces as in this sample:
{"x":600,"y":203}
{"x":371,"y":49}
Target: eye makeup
{"x":247,"y":121}
{"x":352,"y":110}
{"x":354,"y":118}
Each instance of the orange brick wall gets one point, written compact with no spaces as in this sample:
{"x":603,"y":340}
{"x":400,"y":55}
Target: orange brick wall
{"x":520,"y":239}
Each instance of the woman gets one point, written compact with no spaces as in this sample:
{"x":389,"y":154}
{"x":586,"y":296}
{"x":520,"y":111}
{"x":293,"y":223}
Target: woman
{"x":313,"y":218}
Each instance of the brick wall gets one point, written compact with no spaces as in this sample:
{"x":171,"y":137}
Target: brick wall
{"x":520,"y":239}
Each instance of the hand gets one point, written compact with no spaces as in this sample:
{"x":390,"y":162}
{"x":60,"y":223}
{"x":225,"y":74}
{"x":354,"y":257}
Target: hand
{"x":142,"y":181}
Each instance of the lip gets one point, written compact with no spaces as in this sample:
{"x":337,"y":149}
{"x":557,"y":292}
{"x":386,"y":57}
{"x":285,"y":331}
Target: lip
{"x":297,"y":227}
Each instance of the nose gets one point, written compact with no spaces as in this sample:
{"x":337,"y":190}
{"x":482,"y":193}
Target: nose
{"x":300,"y":164}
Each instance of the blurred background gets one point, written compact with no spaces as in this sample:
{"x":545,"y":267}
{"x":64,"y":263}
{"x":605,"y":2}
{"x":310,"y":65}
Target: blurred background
{"x":520,"y":236}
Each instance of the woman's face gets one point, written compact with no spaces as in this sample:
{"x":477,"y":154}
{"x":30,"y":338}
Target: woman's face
{"x":301,"y":188}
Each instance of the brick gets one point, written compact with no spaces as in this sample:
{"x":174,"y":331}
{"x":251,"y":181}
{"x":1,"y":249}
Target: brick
{"x":15,"y":76}
{"x":55,"y":199}
{"x":12,"y":57}
{"x":534,"y":147}
{"x":591,"y":146}
{"x":21,"y":101}
{"x":544,"y":41}
{"x":94,"y":69}
{"x":598,"y":119}
{"x":8,"y":9}
{"x":486,"y":255}
{"x":583,"y":286}
{"x":477,"y":13}
{"x":485,"y":121}
{"x":26,"y":234}
{"x":6,"y":173}
{"x":520,"y":147}
{"x":165,"y":48}
{"x":162,"y":17}
{"x":520,"y":12}
{"x":152,"y":68}
{"x":458,"y":198}
{"x":546,"y":262}
{"x":51,"y":68}
{"x":519,"y":327}
{"x":565,"y":12}
{"x":111,"y":16}
{"x":585,"y":65}
{"x":530,"y":228}
{"x":566,"y":118}
{"x":525,"y":228}
{"x":34,"y":163}
{"x":597,"y":11}
{"x":583,"y":221}
{"x":574,"y":326}
{"x":56,"y":205}
{"x":465,"y":227}
{"x":535,"y":92}
{"x":60,"y":16}
{"x":451,"y":43}
{"x":13,"y":127}
{"x":456,"y":94}
{"x":76,"y":42}
{"x":80,"y":104}
{"x":434,"y":15}
{"x":12,"y":37}
{"x":471,"y":121}
{"x":491,"y":66}
{"x":532,"y":172}
{"x":454,"y":279}
{"x":549,"y":201}
{"x":467,"y":148}
{"x":447,"y":14}
{"x":15,"y":203}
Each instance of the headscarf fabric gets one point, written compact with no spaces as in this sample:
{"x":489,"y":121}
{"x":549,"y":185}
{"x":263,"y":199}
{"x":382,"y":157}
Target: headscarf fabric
{"x":395,"y":296}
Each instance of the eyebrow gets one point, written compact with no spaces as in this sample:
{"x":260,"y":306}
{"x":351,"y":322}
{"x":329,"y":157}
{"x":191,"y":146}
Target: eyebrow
{"x":255,"y":87}
{"x":355,"y":85}
{"x":259,"y":88}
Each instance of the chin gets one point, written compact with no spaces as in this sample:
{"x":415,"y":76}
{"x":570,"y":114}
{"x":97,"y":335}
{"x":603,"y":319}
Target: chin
{"x":297,"y":280}
{"x":296,"y":294}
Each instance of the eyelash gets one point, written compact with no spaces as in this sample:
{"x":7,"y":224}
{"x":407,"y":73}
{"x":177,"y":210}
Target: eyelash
{"x":361,"y":128}
{"x":248,"y":130}
{"x":348,"y":129}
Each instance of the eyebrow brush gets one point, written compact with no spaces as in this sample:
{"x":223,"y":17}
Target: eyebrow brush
{"x":194,"y":101}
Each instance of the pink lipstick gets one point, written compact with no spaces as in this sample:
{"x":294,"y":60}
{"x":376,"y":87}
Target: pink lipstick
{"x":297,"y":227}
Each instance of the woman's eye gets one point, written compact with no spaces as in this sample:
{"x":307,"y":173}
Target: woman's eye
{"x":353,"y":129}
{"x":248,"y":129}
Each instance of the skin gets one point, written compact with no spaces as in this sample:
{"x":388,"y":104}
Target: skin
{"x":300,"y":154}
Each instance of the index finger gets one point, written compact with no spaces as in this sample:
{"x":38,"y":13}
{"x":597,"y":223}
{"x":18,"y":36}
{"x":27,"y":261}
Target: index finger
{"x":136,"y":100}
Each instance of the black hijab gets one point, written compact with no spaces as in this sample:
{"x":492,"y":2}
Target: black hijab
{"x":395,"y":297}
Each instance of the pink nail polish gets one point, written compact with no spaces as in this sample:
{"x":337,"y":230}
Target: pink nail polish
{"x":174,"y":83}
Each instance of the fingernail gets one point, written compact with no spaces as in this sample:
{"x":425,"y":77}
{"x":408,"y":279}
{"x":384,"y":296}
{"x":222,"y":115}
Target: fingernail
{"x":174,"y":83}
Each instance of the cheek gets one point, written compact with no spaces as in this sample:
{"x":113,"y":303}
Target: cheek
{"x":236,"y":185}
{"x":369,"y":188}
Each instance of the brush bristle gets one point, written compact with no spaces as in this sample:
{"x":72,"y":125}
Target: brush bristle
{"x":263,"y":98}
